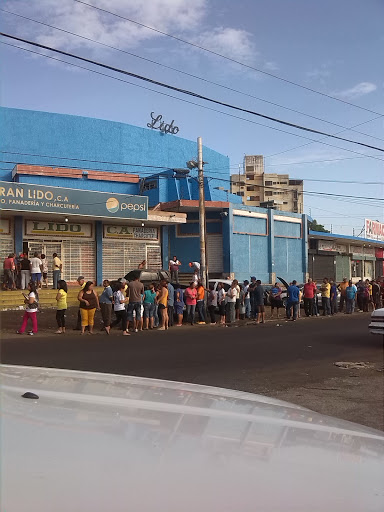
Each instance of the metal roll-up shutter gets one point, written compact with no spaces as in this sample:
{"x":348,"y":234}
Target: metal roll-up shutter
{"x":6,"y":248}
{"x":323,"y":266}
{"x":154,"y":257}
{"x":121,"y":256}
{"x":215,"y":253}
{"x":47,"y":248}
{"x":79,"y":259}
{"x":368,"y":268}
{"x":343,"y":267}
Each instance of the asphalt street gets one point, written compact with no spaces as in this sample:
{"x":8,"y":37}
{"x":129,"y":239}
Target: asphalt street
{"x":291,"y":361}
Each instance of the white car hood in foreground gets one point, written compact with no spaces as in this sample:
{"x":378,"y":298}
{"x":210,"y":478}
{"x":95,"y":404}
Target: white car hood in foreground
{"x":106,"y":443}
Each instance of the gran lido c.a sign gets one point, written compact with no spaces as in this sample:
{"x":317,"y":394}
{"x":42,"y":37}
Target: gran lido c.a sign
{"x":68,"y":201}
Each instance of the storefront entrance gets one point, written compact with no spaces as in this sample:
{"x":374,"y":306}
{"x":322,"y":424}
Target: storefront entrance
{"x":78,"y":257}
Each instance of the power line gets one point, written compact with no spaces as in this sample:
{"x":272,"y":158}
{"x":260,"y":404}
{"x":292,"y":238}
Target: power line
{"x":192,"y":102}
{"x":189,"y":93}
{"x":192,"y":75}
{"x":229,"y":58}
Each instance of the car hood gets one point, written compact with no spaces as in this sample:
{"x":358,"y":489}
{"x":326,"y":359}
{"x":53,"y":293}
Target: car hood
{"x":107,"y":442}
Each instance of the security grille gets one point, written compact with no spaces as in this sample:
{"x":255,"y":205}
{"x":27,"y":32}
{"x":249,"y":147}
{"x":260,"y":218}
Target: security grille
{"x":79,"y":259}
{"x":47,"y":248}
{"x":119,"y":257}
{"x":215,"y":253}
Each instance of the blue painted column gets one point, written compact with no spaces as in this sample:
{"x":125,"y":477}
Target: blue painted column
{"x":99,"y":251}
{"x":19,"y":233}
{"x":305,"y":247}
{"x":271,"y":247}
{"x":227,"y":223}
{"x":165,"y":246}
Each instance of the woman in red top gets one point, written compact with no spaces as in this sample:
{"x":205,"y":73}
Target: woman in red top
{"x":190,"y":301}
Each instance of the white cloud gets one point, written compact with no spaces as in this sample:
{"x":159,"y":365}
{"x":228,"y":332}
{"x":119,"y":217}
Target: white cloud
{"x":271,"y":66}
{"x":356,"y":91}
{"x":165,"y":15}
{"x":231,"y":42}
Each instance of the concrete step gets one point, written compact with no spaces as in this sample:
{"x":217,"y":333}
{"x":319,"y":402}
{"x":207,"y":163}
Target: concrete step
{"x":47,"y":298}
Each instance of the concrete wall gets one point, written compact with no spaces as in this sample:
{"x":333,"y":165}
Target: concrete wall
{"x":82,"y":142}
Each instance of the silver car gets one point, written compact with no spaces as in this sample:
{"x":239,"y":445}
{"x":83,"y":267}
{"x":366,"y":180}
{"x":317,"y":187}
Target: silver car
{"x":81,"y":441}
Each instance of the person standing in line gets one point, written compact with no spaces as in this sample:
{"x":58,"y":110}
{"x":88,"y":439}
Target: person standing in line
{"x":89,"y":302}
{"x":221,"y":299}
{"x":360,"y":295}
{"x":212,"y":303}
{"x":247,"y":299}
{"x":237,"y":303}
{"x":231,"y":302}
{"x":333,"y":300}
{"x":44,"y":271}
{"x":174,"y":266}
{"x":163,"y":303}
{"x":342,"y":287}
{"x":195,"y":266}
{"x":251,"y":288}
{"x":57,"y":268}
{"x":366,"y":295}
{"x":200,"y":304}
{"x":275,"y":299}
{"x":375,"y":295}
{"x":179,"y":304}
{"x":31,"y":301}
{"x":326,"y":297}
{"x":259,"y":302}
{"x":25,"y":270}
{"x":309,"y":292}
{"x":241,"y":303}
{"x":350,"y":293}
{"x":62,"y":306}
{"x":293,"y":300}
{"x":105,"y":301}
{"x":149,"y":306}
{"x":119,"y":302}
{"x":9,"y":272}
{"x":190,"y":301}
{"x":171,"y":304}
{"x":36,"y":269}
{"x":81,"y":282}
{"x":135,"y":293}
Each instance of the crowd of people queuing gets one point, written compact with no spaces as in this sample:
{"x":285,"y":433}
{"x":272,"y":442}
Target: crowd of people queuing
{"x":20,"y":270}
{"x":161,"y":305}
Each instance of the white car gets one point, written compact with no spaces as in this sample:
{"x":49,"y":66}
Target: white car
{"x":377,"y":322}
{"x":82,"y":441}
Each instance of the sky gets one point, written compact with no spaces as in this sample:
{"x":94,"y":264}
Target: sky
{"x":328,"y":46}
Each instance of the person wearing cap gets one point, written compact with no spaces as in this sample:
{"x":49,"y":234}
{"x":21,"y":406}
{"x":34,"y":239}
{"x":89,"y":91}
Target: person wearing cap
{"x":81,"y":282}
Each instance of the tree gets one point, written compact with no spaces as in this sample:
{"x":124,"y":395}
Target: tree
{"x":314,"y":226}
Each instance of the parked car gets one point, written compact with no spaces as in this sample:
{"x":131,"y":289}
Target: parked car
{"x":377,"y":322}
{"x":148,"y":276}
{"x":96,"y":442}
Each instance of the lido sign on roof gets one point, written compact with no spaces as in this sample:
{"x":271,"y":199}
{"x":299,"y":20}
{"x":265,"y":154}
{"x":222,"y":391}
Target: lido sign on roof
{"x":68,"y":201}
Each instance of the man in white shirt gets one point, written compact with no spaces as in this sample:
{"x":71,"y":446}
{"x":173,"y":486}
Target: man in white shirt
{"x":195,"y":266}
{"x":174,"y":265}
{"x":232,"y":295}
{"x":36,"y":269}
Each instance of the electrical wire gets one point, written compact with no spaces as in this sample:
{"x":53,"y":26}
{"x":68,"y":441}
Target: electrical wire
{"x":228,"y":58}
{"x":189,"y":93}
{"x":194,"y":76}
{"x":192,"y":103}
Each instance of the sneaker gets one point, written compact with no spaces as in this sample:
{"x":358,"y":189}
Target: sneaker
{"x":161,"y":329}
{"x":31,"y":334}
{"x":125,"y":333}
{"x":136,"y":330}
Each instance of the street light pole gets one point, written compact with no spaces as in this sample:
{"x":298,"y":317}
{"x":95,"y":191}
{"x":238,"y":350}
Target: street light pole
{"x":202,"y":221}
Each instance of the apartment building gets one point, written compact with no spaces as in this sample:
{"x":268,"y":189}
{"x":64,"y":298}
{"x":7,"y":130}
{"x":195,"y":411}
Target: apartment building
{"x":258,"y":188}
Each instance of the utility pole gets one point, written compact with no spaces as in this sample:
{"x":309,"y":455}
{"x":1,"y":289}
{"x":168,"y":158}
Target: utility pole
{"x":202,"y":221}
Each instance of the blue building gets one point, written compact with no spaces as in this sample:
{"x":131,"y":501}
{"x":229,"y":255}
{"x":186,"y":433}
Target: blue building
{"x":106,"y":196}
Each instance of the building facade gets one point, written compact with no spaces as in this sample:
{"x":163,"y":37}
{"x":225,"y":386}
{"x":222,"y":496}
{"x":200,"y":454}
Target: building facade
{"x":257,"y":188}
{"x":338,"y":256}
{"x":106,"y":196}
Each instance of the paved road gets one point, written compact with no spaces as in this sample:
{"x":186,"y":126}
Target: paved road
{"x":292,"y":361}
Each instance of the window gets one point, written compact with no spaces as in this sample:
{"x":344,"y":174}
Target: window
{"x":268,"y":183}
{"x":285,"y":202}
{"x":149,"y":185}
{"x":250,"y":188}
{"x":268,"y":193}
{"x":250,"y":176}
{"x":240,"y":193}
{"x":283,"y":183}
{"x":254,"y":198}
